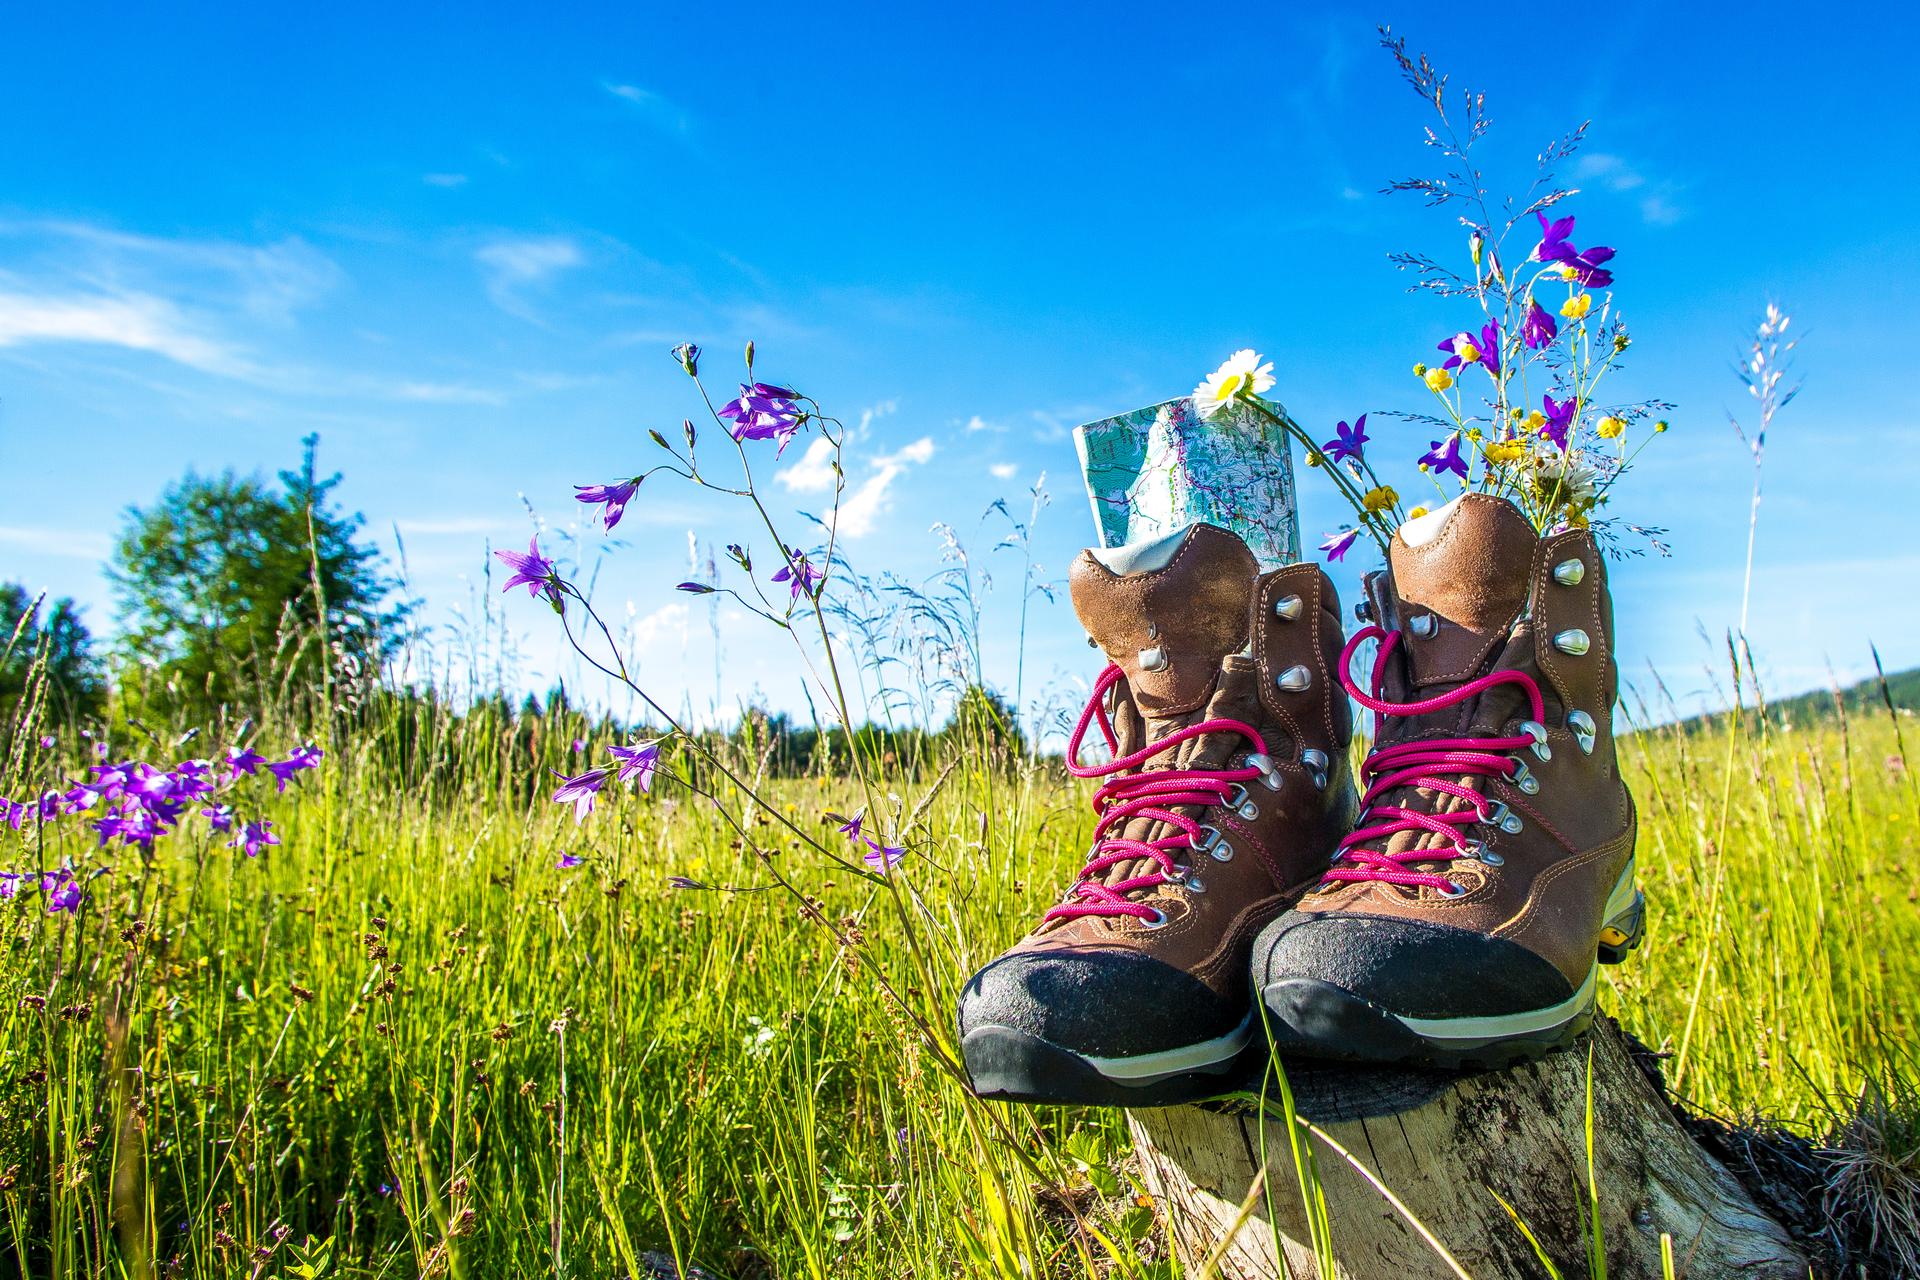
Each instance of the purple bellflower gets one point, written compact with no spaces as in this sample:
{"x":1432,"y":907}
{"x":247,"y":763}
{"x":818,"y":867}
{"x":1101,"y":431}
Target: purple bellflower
{"x":1541,"y":328}
{"x":1559,"y":419}
{"x":851,"y":827}
{"x":1485,"y":348}
{"x":533,"y":571}
{"x":568,"y":861}
{"x":800,"y":577}
{"x":62,"y":890}
{"x":580,"y":791}
{"x":253,"y":837}
{"x":882,"y":857}
{"x":1347,"y":441}
{"x":637,"y":763}
{"x":1555,"y":247}
{"x":763,"y":412}
{"x":612,"y":497}
{"x":1444,"y":456}
{"x":1337,"y":544}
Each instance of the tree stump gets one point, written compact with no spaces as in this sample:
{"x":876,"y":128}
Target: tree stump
{"x":1445,"y":1144}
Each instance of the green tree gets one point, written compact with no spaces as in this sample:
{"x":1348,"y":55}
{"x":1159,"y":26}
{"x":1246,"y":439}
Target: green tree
{"x":35,"y":639}
{"x":240,"y":594}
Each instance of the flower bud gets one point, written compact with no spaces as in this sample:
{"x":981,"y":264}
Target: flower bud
{"x":1420,"y":371}
{"x":686,"y":429}
{"x":689,"y":357}
{"x":1659,"y":427}
{"x":661,"y":441}
{"x":749,"y":355}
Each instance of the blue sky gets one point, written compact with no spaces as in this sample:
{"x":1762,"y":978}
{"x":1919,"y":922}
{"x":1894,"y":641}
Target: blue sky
{"x":458,"y":246}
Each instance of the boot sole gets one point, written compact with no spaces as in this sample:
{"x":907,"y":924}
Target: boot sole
{"x":1015,"y":1066}
{"x":1308,"y":1017}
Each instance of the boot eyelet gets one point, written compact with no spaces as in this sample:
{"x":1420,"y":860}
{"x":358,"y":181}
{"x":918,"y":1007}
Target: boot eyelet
{"x":1423,"y":626}
{"x":1287,"y":608}
{"x":1154,"y":921}
{"x":1572,"y":642}
{"x":1538,"y":732}
{"x":1154,"y":659}
{"x":1206,"y":839}
{"x":1220,"y":851}
{"x":1451,"y":890}
{"x":1194,"y":884}
{"x":1242,"y":807}
{"x":1294,"y":679}
{"x":1523,"y":778}
{"x":1503,"y":817}
{"x":1569,"y":573}
{"x":1316,"y":763}
{"x":1269,"y":775}
{"x":1584,"y":730}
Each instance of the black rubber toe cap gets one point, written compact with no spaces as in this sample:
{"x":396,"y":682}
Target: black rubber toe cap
{"x":1412,"y":968}
{"x":1101,"y":1003}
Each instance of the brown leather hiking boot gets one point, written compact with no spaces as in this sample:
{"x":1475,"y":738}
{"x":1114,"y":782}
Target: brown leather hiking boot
{"x":1227,"y":787}
{"x":1492,"y":867}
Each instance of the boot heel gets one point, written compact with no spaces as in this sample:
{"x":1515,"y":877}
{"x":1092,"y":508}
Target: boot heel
{"x":1622,"y":934}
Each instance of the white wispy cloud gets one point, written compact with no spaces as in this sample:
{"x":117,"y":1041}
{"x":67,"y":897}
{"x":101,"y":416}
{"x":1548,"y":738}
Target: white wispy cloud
{"x":444,"y":179}
{"x":79,"y":545}
{"x":1004,"y":470}
{"x":458,"y":526}
{"x":135,"y":321}
{"x":514,"y":263}
{"x":873,"y":497}
{"x":1614,"y":173}
{"x":655,"y":108}
{"x":446,"y":393}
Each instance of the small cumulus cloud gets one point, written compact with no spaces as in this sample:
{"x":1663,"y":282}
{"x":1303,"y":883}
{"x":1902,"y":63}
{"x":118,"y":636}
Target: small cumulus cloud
{"x":1004,"y":470}
{"x":873,"y":498}
{"x":514,"y":263}
{"x":977,"y":424}
{"x":813,"y":473}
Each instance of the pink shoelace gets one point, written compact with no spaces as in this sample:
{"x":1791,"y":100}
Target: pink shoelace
{"x":1417,"y":764}
{"x":1154,"y":795}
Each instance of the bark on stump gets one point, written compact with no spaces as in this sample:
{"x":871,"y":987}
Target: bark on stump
{"x":1444,"y":1144}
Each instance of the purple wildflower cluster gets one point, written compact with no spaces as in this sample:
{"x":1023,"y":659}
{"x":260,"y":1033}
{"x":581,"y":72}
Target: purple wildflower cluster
{"x":1525,"y":452}
{"x":634,"y":764}
{"x":135,"y":803}
{"x":763,"y":411}
{"x":881,"y":857}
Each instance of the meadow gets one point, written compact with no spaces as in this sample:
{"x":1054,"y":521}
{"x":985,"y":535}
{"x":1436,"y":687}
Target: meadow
{"x":407,"y":1041}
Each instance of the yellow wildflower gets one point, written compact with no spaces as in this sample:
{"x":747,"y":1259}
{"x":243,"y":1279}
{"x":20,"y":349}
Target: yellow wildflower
{"x":1416,"y":513}
{"x":1611,"y":428}
{"x":1534,"y":421}
{"x":1501,"y":452}
{"x":1378,"y":500}
{"x":1577,"y":308}
{"x":1438,"y":380}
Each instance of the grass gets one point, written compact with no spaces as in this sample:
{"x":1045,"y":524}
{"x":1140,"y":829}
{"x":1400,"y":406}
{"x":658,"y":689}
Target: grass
{"x":406,"y":1043}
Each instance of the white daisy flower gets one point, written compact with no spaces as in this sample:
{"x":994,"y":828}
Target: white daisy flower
{"x":1242,"y":374}
{"x":1572,"y":476}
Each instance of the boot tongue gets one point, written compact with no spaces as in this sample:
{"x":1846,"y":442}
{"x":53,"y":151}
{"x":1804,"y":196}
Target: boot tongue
{"x":1168,"y":613}
{"x":1460,"y":580}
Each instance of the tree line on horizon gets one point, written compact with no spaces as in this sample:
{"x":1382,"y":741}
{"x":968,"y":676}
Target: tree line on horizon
{"x":237,"y":597}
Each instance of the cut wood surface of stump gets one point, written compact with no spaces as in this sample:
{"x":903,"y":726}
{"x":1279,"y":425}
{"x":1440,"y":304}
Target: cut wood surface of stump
{"x":1451,"y":1147}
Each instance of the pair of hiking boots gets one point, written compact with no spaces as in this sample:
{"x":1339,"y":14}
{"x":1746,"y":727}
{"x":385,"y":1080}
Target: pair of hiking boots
{"x":1450,"y":911}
